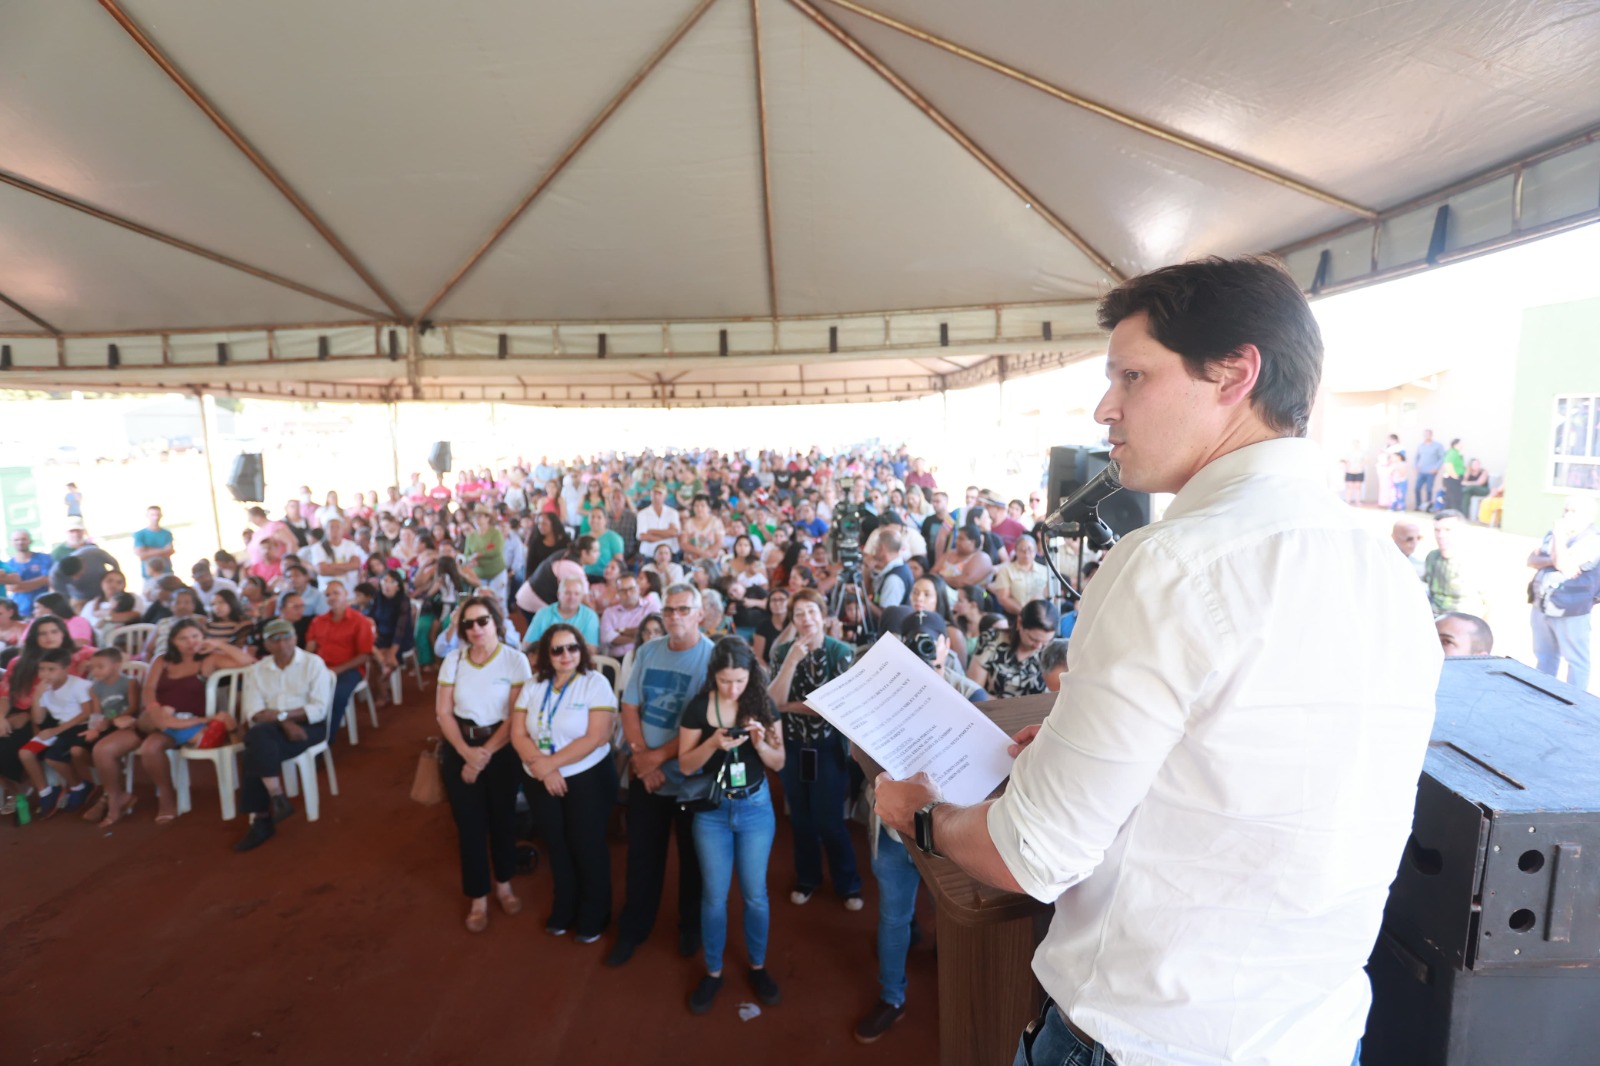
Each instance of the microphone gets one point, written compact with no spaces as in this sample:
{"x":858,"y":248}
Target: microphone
{"x":1067,"y":519}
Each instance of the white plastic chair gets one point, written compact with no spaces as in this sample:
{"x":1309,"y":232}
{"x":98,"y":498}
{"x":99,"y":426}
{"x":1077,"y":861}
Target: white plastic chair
{"x":135,"y":669}
{"x":131,"y":638}
{"x":304,"y":767}
{"x":225,"y":758}
{"x":612,"y":668}
{"x":362,"y":689}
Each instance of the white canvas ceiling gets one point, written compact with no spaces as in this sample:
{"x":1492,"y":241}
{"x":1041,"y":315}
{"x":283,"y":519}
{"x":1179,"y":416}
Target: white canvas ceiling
{"x":697,"y":201}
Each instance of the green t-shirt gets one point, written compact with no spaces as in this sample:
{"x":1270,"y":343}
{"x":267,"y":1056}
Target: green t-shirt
{"x":1453,"y":460}
{"x":493,"y":545}
{"x":610,"y":544}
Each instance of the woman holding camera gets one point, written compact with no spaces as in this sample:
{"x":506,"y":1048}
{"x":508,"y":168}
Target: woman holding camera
{"x":479,"y":682}
{"x":561,"y":727}
{"x":730,"y":730}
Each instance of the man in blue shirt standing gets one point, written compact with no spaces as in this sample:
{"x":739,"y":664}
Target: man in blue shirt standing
{"x":1430,"y":457}
{"x":667,"y":673}
{"x":152,"y":541}
{"x":27,"y":574}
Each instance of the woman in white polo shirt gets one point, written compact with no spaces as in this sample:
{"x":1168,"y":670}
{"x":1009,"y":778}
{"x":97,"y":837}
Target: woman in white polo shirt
{"x":561,"y":727}
{"x":478,"y":683}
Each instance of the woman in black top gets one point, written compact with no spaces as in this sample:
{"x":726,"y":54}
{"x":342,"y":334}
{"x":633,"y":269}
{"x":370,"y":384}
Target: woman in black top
{"x":731,"y":730}
{"x":549,"y":537}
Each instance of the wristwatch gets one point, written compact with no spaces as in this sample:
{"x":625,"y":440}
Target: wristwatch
{"x":924,"y":829}
{"x":283,"y":716}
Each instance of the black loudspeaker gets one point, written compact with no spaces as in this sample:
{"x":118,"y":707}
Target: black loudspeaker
{"x":1490,"y":946}
{"x":248,"y":482}
{"x":1071,"y":468}
{"x":439,"y":457}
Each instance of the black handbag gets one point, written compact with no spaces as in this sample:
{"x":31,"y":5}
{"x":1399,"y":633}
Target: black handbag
{"x":702,"y":792}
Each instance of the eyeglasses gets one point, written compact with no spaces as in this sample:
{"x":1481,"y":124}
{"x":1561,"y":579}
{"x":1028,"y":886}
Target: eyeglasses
{"x":476,"y":621}
{"x":676,"y":610}
{"x":563,"y":649}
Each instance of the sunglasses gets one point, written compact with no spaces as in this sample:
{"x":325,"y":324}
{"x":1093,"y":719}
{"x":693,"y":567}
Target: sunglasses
{"x":479,"y":620}
{"x":676,"y":610}
{"x":563,"y":649}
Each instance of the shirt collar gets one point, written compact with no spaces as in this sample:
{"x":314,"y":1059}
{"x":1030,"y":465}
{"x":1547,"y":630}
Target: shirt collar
{"x":1288,"y":457}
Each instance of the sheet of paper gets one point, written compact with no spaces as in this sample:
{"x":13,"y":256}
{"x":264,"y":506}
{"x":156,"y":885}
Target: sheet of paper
{"x":908,"y":719}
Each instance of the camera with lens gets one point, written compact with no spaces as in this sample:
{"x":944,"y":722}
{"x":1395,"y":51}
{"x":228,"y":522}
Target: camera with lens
{"x":845,"y":536}
{"x":925,"y":645}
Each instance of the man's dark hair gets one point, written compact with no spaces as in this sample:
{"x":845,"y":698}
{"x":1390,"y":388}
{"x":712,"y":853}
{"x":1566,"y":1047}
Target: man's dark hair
{"x":1207,"y":309}
{"x":1448,"y":512}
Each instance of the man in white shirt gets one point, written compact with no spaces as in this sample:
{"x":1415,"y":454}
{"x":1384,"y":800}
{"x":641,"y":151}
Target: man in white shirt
{"x":207,"y":584}
{"x":1023,"y":579}
{"x":658,"y":523}
{"x":1217,"y":803}
{"x":334,"y":558}
{"x":284,"y":703}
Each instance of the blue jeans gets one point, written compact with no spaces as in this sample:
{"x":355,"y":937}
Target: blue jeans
{"x":735,"y":836}
{"x":1425,"y":489}
{"x":816,"y":816}
{"x":1399,"y":503}
{"x":343,"y":685}
{"x":1555,"y":639}
{"x":897,"y":904}
{"x":1053,"y":1044}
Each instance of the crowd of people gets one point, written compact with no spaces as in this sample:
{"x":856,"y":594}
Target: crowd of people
{"x":645,"y":627}
{"x":1431,"y":478}
{"x":624,"y":626}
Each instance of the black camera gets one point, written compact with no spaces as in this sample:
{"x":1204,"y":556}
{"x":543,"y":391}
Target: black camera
{"x":925,"y":645}
{"x":845,"y":535}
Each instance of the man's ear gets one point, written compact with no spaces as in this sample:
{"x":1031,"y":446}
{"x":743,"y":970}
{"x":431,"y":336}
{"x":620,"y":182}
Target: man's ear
{"x":1236,"y":375}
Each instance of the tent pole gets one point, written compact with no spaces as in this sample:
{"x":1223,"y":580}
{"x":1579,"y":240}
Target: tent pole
{"x":211,"y":470}
{"x":394,"y":440}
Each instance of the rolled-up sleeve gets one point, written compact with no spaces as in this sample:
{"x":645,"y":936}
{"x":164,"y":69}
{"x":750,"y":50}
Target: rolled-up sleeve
{"x":1140,"y":663}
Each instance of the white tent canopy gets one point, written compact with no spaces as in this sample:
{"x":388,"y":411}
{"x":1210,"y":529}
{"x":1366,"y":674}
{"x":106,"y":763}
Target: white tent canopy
{"x":731,"y":201}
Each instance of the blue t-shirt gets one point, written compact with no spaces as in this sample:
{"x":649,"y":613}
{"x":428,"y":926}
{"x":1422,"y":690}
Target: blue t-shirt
{"x":587,"y":623}
{"x":815,"y":526}
{"x":661,"y":685}
{"x":151,"y":538}
{"x":38,"y":565}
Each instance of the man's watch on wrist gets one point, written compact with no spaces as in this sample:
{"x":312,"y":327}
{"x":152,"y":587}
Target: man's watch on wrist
{"x":283,"y":716}
{"x":923,"y":825}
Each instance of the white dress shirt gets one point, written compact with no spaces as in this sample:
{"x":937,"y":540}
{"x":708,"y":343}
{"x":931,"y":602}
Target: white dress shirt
{"x":306,"y":683}
{"x":1227,"y":779}
{"x":649,"y":521}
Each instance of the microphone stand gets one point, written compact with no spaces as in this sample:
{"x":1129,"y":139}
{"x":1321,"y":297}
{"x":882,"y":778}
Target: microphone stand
{"x":1092,"y":530}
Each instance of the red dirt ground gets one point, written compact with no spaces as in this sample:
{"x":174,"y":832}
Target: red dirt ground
{"x":341,"y":942}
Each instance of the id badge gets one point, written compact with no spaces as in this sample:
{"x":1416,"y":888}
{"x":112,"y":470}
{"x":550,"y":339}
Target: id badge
{"x":736,"y":775}
{"x":547,"y":745}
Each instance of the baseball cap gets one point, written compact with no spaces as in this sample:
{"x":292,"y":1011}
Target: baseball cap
{"x":74,"y":523}
{"x":919,"y":622}
{"x":278,"y":627}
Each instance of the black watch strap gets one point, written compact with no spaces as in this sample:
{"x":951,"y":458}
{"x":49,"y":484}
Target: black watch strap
{"x":924,"y":830}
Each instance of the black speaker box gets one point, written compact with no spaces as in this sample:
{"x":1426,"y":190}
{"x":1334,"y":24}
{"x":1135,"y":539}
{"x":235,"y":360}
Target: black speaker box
{"x":247,"y":483}
{"x":1490,"y":949}
{"x":1071,"y":467}
{"x":439,"y":457}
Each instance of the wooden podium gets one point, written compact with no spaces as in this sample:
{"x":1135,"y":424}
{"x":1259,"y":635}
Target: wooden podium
{"x":987,"y":992}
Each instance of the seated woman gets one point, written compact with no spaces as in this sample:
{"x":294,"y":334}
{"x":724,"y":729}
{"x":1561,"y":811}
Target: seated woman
{"x":185,"y":604}
{"x":173,"y":716}
{"x":662,"y":565}
{"x":702,"y":534}
{"x":561,"y":727}
{"x":230,"y":622}
{"x":102,"y":612}
{"x":731,"y":731}
{"x":651,"y":626}
{"x":395,"y":633}
{"x":1006,"y":662}
{"x":1474,"y":485}
{"x":774,"y":629}
{"x":53,"y":603}
{"x":12,"y":628}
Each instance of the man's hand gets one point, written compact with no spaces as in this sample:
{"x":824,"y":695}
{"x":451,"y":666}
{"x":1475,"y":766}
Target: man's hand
{"x":653,"y":780}
{"x":899,"y":801}
{"x":293,"y":730}
{"x":644,"y":763}
{"x":1023,"y":738}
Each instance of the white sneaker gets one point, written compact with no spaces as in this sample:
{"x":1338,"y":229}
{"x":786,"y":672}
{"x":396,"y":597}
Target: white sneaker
{"x":853,"y":903}
{"x":798,"y":897}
